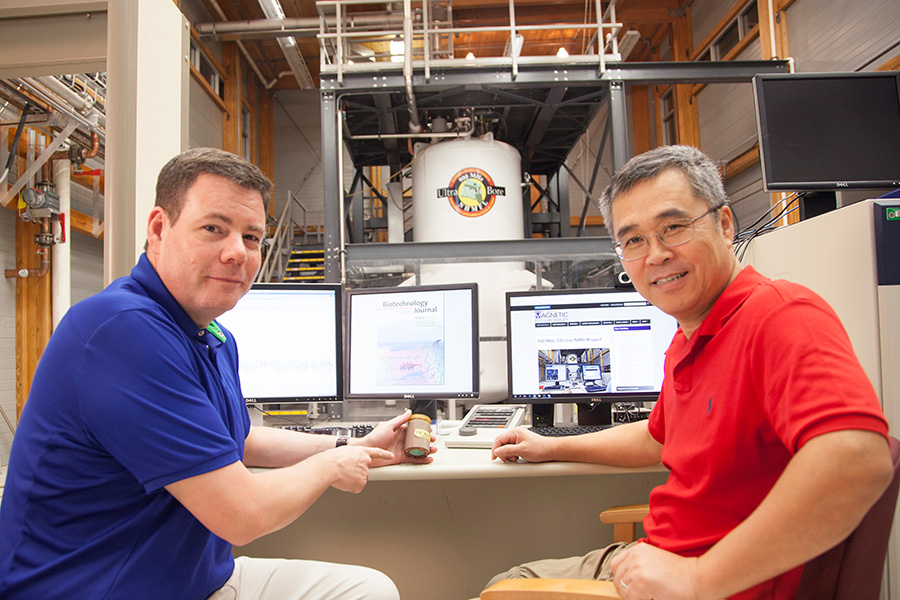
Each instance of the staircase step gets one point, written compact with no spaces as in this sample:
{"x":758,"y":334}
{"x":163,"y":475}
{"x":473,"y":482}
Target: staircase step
{"x":304,"y":278}
{"x":292,"y":269}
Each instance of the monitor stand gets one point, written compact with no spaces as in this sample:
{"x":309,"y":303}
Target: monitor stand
{"x":424,"y":407}
{"x":542,"y":415}
{"x":595,"y":413}
{"x":589,"y":413}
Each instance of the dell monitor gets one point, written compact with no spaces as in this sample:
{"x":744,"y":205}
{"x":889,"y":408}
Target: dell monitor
{"x":418,"y":344}
{"x":584,"y":346}
{"x":289,"y":342}
{"x":828,"y":131}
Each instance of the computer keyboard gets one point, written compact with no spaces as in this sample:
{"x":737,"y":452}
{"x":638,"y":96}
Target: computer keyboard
{"x":570,"y":430}
{"x":356,"y":431}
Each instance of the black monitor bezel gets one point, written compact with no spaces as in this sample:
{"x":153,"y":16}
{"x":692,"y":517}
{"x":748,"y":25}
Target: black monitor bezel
{"x":773,"y":184}
{"x":349,"y":293}
{"x":577,"y":398}
{"x":338,"y":290}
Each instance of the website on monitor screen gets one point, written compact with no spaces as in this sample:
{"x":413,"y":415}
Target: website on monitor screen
{"x":587,"y":344}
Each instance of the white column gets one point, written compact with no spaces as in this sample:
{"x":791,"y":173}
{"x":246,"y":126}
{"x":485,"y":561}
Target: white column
{"x":146,"y":125}
{"x":61,"y":253}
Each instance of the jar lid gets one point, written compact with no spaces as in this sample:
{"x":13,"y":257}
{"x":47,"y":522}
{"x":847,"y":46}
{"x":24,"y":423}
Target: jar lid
{"x":420,"y":417}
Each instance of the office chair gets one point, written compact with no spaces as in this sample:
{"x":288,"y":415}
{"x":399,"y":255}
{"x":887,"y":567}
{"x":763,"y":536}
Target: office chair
{"x":852,"y":570}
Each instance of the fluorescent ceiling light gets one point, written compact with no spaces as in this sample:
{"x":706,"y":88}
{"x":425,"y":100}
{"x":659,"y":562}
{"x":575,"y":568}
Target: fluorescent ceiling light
{"x":272,"y":8}
{"x":562,"y":53}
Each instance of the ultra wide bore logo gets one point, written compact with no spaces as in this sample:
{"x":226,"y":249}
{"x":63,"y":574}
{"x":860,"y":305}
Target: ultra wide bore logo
{"x":471,"y":192}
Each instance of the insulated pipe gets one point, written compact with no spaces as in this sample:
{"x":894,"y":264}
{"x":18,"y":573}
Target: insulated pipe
{"x":61,"y":258}
{"x":64,"y":108}
{"x":83,"y":103}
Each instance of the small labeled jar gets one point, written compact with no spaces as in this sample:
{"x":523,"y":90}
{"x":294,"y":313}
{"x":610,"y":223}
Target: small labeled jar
{"x":418,"y":436}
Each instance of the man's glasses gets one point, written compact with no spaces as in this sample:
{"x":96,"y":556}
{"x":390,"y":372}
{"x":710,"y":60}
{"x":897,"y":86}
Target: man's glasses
{"x":673,"y":233}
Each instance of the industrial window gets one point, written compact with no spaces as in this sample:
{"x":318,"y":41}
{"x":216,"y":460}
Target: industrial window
{"x":732,"y":33}
{"x":728,"y":40}
{"x":667,"y":100}
{"x":245,"y":133}
{"x":207,"y":70}
{"x":749,"y":19}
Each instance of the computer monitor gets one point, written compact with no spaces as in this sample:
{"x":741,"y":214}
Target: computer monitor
{"x":829,"y":131}
{"x":289,"y":342}
{"x":418,"y":344}
{"x":584,"y":346}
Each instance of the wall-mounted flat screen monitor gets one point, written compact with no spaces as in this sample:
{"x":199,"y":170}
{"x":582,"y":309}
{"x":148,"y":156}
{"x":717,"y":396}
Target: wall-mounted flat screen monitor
{"x":413,"y":343}
{"x":289,"y":339}
{"x":828,"y":131}
{"x":585,"y":345}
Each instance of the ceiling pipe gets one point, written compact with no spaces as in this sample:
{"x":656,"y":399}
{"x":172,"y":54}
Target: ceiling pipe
{"x":278,"y":77}
{"x":82,"y":102}
{"x":240,"y":45}
{"x":414,"y":124}
{"x":297,"y":26}
{"x":63,"y":107}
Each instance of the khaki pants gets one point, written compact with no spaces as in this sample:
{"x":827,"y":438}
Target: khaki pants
{"x":593,"y":565}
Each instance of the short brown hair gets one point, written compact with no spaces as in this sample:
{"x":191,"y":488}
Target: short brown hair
{"x":180,"y":173}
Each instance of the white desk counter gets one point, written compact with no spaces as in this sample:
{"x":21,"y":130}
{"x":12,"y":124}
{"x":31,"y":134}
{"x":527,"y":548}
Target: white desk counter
{"x":459,"y":463}
{"x":440,"y":531}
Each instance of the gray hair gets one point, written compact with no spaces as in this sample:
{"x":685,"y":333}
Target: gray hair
{"x":180,"y":173}
{"x":699,"y":169}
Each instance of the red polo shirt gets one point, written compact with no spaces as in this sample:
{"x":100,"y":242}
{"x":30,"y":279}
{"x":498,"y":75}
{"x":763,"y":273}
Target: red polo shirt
{"x":768,"y":369}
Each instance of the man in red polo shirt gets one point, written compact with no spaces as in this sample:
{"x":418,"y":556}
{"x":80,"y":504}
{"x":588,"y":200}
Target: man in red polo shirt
{"x":773,"y":434}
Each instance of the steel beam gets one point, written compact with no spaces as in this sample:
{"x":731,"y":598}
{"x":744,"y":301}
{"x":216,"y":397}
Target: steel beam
{"x":418,"y":253}
{"x":618,"y":121}
{"x":571,"y":75}
{"x":332,"y":180}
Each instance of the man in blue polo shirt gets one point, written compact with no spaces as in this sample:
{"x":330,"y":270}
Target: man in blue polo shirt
{"x":128,"y":474}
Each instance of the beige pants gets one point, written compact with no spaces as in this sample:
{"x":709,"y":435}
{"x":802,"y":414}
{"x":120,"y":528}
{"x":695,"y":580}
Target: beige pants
{"x":593,"y":565}
{"x":280,"y":579}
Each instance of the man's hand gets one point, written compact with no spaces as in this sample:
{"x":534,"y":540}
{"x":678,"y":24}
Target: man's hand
{"x":391,"y":436}
{"x":644,"y":571}
{"x":518,"y":443}
{"x":352,"y":466}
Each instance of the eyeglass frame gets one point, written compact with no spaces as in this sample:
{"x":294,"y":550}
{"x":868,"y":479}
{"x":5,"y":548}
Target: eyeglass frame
{"x":618,"y":245}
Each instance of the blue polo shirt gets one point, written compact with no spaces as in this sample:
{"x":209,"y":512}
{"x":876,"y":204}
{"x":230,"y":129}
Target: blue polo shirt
{"x":129,"y":396}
